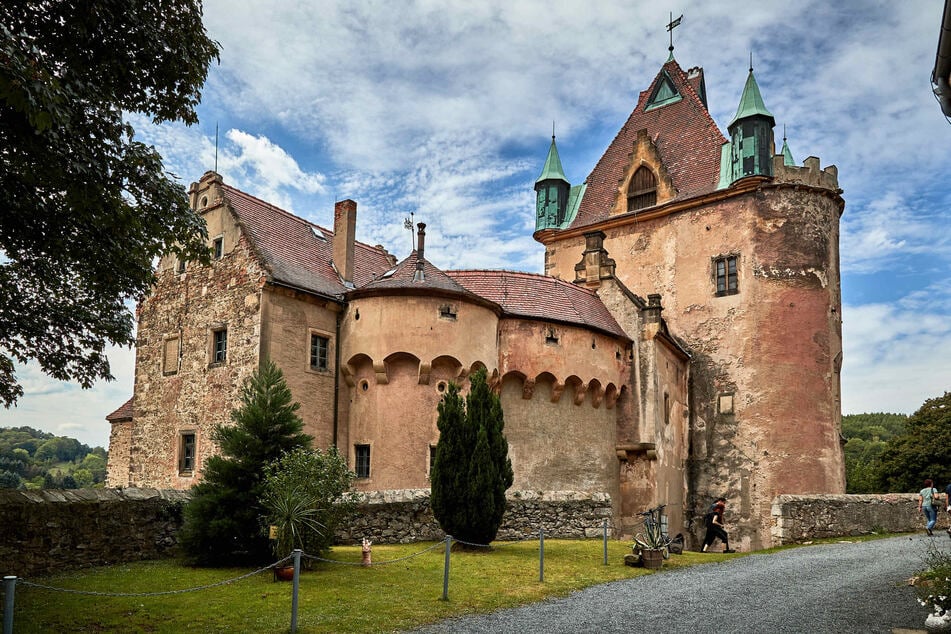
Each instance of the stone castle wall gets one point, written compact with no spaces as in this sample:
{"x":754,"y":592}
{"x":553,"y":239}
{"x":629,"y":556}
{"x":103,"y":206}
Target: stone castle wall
{"x":48,"y":531}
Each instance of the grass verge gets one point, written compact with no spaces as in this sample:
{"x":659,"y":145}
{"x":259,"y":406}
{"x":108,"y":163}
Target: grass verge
{"x":333,"y":597}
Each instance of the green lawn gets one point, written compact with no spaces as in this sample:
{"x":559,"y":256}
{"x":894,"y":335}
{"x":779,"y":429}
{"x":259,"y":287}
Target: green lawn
{"x":333,"y":597}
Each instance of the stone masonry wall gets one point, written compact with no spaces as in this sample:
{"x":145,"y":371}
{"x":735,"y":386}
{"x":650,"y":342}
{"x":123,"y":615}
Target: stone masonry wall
{"x":404,"y":516}
{"x":50,"y":531}
{"x":802,"y":518}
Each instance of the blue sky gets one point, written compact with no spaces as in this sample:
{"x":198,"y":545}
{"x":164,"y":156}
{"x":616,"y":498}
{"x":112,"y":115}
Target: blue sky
{"x":445,"y":109}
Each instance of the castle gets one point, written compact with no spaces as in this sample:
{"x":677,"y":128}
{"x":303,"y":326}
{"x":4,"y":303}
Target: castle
{"x":684,"y":341}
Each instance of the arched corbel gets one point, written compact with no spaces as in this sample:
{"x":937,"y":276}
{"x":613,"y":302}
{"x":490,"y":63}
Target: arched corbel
{"x":379,"y":368}
{"x":597,"y":395}
{"x":580,"y":392}
{"x":424,"y":371}
{"x":528,"y":389}
{"x":611,"y":399}
{"x":557,"y":388}
{"x":347,"y":373}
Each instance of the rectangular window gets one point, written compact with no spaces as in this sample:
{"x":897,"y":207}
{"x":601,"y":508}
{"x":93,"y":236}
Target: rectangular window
{"x":219,"y":351}
{"x":362,"y":460}
{"x":186,"y":453}
{"x":218,"y":247}
{"x":170,"y":356}
{"x":726,"y":275}
{"x":181,"y":264}
{"x":318,"y":352}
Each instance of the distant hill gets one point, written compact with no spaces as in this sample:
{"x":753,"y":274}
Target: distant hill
{"x":867,"y":436}
{"x":34,"y":459}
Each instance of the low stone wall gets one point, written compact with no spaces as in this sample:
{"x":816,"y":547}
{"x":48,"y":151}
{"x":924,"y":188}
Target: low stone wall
{"x":404,"y":516}
{"x":47,"y":531}
{"x":802,"y":518}
{"x":50,"y":530}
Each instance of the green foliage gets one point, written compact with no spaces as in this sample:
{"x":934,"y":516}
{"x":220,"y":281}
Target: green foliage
{"x":306,"y":494}
{"x":33,"y":459}
{"x":471,"y":471}
{"x":922,"y":451}
{"x":222,"y":521}
{"x":86,"y":208}
{"x":867,"y":438}
{"x":934,"y":584}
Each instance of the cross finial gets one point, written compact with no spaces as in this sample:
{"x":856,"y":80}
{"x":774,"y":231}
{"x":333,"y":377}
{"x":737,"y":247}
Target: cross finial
{"x":670,"y":28}
{"x":553,"y":130}
{"x":751,"y":61}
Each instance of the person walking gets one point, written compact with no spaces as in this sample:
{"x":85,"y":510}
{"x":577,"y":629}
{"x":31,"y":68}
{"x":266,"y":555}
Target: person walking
{"x":715,"y":528}
{"x":927,"y":501}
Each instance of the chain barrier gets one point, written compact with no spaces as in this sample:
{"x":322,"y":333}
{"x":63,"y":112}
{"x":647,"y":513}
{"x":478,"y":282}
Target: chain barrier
{"x":96,"y":593}
{"x":438,"y":544}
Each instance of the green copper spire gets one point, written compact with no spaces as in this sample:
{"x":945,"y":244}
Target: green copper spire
{"x":552,"y":169}
{"x":787,"y":154}
{"x":751,"y":103}
{"x":552,"y":191}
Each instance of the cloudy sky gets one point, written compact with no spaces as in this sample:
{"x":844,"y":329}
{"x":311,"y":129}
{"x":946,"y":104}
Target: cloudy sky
{"x":444,"y":109}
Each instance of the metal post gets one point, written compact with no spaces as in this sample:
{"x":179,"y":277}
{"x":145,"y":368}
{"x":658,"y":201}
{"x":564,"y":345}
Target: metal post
{"x":296,"y":554}
{"x":605,"y":541}
{"x":9,"y":587}
{"x":541,"y":554}
{"x":445,"y":574}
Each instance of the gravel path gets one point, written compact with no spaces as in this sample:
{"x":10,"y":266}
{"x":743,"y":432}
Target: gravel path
{"x":843,"y":587}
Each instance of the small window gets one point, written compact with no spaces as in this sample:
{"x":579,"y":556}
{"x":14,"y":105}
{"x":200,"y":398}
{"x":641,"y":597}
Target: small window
{"x":666,"y":408}
{"x":362,"y":460}
{"x":218,"y":247}
{"x":318,"y":352}
{"x":181,"y":264}
{"x":642,"y":192}
{"x":186,"y":453}
{"x":170,"y":356}
{"x":726,"y":275}
{"x":551,"y":338}
{"x":219,"y":351}
{"x":447,"y":311}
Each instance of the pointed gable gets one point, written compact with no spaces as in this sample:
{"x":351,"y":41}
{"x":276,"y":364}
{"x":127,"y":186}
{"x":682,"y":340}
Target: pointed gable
{"x":681,"y":131}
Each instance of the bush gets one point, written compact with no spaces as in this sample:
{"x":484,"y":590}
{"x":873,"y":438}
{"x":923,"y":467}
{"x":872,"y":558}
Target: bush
{"x":934,"y":585}
{"x":306,"y":493}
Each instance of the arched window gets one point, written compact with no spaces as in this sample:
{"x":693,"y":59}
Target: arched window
{"x":642,"y":192}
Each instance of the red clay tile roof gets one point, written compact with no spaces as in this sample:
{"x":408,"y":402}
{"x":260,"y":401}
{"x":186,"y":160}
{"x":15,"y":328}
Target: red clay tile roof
{"x":686,"y":136}
{"x":123,"y":413}
{"x":403,"y":274}
{"x":540,"y":297}
{"x":292,"y":251}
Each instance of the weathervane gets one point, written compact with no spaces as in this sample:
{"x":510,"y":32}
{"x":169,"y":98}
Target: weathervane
{"x":408,"y":224}
{"x":670,"y":28}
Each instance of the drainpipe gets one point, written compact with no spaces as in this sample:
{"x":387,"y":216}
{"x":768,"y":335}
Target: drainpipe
{"x":337,"y":374}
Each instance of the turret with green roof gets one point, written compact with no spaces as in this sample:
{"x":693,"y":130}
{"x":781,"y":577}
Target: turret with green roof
{"x":551,"y":192}
{"x":751,"y":136}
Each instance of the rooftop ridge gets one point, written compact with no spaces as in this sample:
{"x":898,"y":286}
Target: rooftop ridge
{"x":539,"y":276}
{"x":273,"y":207}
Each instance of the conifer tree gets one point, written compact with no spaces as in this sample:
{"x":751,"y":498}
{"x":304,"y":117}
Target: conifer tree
{"x":472,"y":470}
{"x":222,"y":520}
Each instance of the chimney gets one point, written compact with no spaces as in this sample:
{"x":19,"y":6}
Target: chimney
{"x":345,"y":226}
{"x":418,"y":276}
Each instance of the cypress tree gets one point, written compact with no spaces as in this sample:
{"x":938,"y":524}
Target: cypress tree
{"x":472,"y":469}
{"x":222,"y":520}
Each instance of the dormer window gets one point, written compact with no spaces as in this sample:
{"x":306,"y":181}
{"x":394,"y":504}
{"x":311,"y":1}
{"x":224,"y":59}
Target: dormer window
{"x":642,"y":192}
